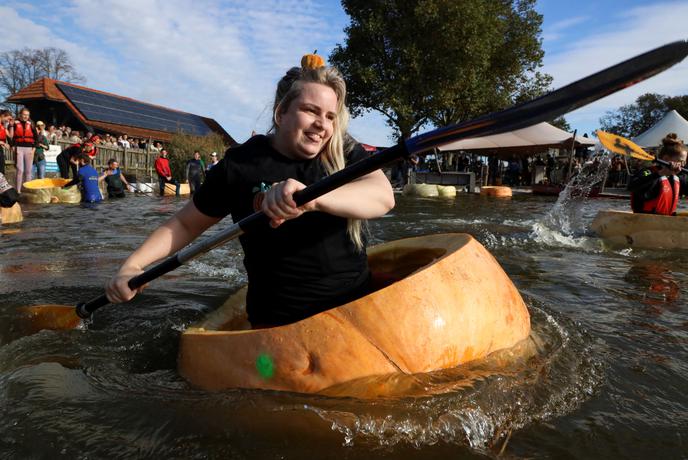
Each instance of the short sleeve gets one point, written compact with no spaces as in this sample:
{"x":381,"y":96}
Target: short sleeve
{"x":213,"y":198}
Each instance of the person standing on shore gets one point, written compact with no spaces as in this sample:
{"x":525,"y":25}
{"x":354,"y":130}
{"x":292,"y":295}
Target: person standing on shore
{"x":195,"y":172}
{"x":162,"y":167}
{"x":42,"y":144}
{"x":24,"y":138}
{"x":6,"y":130}
{"x":213,"y":161}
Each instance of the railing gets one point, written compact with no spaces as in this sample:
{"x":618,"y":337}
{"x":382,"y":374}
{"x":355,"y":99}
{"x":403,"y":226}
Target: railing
{"x":133,"y":161}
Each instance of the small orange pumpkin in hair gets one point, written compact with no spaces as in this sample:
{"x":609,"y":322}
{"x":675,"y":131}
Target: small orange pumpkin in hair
{"x":312,"y":61}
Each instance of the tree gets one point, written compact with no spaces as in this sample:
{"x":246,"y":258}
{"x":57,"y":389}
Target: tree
{"x":632,"y":119}
{"x":561,"y":123}
{"x":182,"y":146}
{"x":19,"y":68}
{"x":439,"y":61}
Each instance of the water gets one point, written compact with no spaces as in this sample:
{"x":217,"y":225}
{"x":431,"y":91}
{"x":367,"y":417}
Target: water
{"x":605,"y":376}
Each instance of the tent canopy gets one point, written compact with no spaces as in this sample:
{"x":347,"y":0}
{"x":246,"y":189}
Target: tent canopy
{"x":672,"y":122}
{"x":532,"y":139}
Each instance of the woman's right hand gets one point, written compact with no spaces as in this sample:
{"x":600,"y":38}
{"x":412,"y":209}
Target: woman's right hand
{"x":117,"y":288}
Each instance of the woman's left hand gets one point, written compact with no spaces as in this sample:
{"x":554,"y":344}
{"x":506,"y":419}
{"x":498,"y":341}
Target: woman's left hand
{"x":279,"y":204}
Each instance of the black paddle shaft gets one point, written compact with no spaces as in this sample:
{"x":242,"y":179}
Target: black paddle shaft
{"x":544,"y":108}
{"x":666,"y":164}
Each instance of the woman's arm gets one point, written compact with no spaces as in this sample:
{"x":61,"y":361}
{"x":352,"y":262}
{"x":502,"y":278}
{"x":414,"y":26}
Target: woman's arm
{"x":367,"y":197}
{"x":173,"y":235}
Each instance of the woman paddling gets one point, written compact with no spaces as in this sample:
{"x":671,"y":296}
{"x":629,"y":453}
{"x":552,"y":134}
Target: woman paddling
{"x":300,"y":266}
{"x":656,"y":190}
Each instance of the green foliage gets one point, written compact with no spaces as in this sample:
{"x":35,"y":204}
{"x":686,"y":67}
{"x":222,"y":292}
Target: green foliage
{"x":561,"y":123}
{"x":439,"y":61}
{"x":632,"y":119}
{"x":182,"y":146}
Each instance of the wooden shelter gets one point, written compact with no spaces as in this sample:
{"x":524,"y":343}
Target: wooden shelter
{"x":57,"y":102}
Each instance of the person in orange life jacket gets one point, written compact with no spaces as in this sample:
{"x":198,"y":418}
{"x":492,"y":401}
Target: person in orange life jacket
{"x":162,"y":167}
{"x":656,"y":190}
{"x":87,"y":179}
{"x":6,"y":131}
{"x":24,"y":139}
{"x":314,"y":257}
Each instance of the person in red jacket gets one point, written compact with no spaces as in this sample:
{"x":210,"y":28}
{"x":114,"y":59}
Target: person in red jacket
{"x":656,"y":190}
{"x":162,"y":167}
{"x":25,"y":142}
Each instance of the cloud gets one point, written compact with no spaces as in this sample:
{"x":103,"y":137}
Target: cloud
{"x":215,"y":58}
{"x":555,"y":31}
{"x":628,"y":34}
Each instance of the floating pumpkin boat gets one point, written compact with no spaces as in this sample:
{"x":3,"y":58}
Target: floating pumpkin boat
{"x":429,"y":190}
{"x":11,"y":215}
{"x":438,"y":301}
{"x":43,"y":191}
{"x":623,"y":229}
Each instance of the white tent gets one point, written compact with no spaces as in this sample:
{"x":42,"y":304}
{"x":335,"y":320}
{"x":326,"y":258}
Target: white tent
{"x":671,"y":123}
{"x":542,"y":135}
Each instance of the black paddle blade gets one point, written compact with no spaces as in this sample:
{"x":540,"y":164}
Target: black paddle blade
{"x":558,"y":102}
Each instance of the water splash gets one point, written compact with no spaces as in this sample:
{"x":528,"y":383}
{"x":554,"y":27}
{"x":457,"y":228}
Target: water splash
{"x":564,"y":224}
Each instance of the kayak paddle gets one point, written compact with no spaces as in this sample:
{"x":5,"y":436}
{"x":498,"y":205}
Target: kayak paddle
{"x":623,"y":146}
{"x":543,"y":108}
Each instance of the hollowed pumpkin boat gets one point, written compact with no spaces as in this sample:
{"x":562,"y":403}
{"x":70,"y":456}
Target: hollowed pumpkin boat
{"x":44,"y":191}
{"x":438,"y":301}
{"x":623,"y":229}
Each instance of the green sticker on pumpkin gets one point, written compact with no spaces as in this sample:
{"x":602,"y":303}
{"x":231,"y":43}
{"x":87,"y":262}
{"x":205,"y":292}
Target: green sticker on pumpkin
{"x":265,"y":366}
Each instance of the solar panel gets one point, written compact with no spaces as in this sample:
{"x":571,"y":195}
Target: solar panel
{"x":111,"y":109}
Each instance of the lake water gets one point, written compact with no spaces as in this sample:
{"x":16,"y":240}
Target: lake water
{"x":608,"y":380}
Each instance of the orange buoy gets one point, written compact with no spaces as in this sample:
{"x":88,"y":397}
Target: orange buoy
{"x":170,"y":189}
{"x":446,"y":301}
{"x":495,"y":190}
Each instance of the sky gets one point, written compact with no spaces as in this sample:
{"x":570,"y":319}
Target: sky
{"x":223,"y":58}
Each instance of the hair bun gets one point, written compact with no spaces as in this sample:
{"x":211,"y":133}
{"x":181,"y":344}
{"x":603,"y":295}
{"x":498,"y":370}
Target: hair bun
{"x":671,"y":139}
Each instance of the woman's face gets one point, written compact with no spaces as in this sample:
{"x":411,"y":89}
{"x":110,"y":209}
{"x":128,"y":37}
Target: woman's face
{"x":24,"y":115}
{"x":307,"y":125}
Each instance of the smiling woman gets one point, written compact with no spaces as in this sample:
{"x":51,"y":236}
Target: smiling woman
{"x":298,"y":267}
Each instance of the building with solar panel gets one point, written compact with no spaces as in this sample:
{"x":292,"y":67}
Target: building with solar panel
{"x":85,"y":109}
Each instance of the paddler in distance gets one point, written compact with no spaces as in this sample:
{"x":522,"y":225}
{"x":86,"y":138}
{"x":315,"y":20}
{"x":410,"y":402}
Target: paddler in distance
{"x":300,"y":266}
{"x":656,"y":190}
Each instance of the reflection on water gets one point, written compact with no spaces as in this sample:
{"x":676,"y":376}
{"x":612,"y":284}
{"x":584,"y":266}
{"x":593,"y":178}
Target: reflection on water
{"x":604,"y":365}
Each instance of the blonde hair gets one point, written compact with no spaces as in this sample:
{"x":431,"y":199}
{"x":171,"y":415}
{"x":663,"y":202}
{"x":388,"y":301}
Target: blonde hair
{"x":332,"y":157}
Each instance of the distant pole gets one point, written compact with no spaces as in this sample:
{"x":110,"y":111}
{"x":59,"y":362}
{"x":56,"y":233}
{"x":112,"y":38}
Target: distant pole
{"x":573,"y":150}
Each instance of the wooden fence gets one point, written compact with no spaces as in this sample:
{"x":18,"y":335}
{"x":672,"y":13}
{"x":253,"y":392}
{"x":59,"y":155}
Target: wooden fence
{"x":134,"y":162}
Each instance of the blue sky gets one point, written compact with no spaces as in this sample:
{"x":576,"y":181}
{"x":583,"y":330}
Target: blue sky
{"x":222,"y":58}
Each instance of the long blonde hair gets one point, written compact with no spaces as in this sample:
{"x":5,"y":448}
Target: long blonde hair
{"x":332,"y":157}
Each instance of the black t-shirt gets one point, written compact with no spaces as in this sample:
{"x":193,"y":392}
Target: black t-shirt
{"x":304,"y":266}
